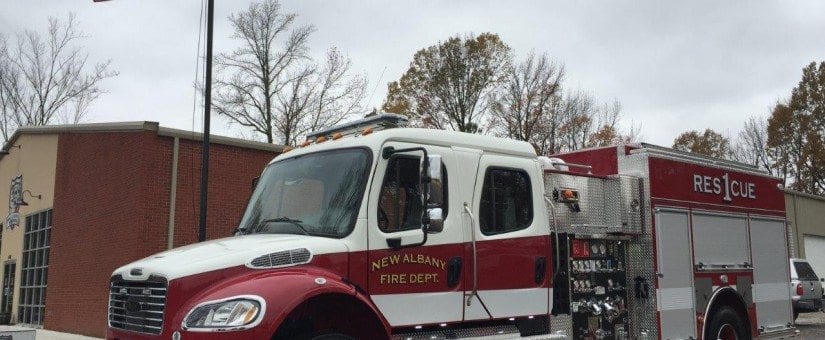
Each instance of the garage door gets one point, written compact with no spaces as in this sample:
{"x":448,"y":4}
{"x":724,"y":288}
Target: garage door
{"x":815,"y":253}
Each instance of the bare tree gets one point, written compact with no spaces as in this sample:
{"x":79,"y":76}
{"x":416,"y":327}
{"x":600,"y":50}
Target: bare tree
{"x":578,"y":111}
{"x":752,"y":145}
{"x":525,"y":107}
{"x":318,"y":98}
{"x":603,"y":130}
{"x":584,"y":124}
{"x":271,"y":84}
{"x":43,"y":79}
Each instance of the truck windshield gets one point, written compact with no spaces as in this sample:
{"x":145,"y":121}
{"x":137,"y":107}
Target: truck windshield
{"x":314,"y":194}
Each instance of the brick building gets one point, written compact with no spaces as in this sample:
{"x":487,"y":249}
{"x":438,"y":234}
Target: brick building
{"x":86,"y":199}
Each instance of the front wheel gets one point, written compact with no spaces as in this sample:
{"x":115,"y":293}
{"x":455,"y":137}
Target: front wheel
{"x":332,"y":336}
{"x":727,"y":324}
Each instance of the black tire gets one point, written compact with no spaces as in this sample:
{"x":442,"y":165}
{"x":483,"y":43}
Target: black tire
{"x":726,"y":323}
{"x":332,"y":336}
{"x":795,"y":315}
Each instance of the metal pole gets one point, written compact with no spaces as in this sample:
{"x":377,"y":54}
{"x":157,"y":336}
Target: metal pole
{"x":207,"y":97}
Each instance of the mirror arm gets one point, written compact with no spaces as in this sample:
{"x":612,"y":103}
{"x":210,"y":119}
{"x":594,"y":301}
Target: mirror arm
{"x":388,"y":151}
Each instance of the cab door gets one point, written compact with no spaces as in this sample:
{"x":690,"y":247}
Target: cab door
{"x":402,"y":281}
{"x":512,"y":247}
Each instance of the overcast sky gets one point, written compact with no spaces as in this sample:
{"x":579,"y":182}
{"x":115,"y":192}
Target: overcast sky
{"x":674,"y":66}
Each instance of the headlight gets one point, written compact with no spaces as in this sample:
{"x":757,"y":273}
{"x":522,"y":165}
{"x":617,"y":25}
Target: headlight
{"x":235,"y":313}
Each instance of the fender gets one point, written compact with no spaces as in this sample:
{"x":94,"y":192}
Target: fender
{"x":712,"y":303}
{"x":283,"y":290}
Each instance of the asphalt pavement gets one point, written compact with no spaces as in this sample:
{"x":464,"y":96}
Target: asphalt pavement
{"x":811,"y":325}
{"x":43,"y":334}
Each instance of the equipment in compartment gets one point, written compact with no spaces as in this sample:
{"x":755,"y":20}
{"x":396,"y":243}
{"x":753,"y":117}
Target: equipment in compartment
{"x":598,"y":288}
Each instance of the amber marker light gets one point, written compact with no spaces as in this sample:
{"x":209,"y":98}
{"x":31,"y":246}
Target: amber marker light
{"x":288,"y":149}
{"x":366,"y":131}
{"x":337,"y":135}
{"x":305,"y":143}
{"x":320,"y":140}
{"x":250,"y":316}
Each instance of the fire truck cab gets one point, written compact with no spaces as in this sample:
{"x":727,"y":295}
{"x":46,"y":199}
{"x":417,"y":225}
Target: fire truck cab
{"x":370,"y":232}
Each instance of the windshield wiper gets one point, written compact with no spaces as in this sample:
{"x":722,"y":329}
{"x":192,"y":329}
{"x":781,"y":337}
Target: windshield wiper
{"x":297,"y":223}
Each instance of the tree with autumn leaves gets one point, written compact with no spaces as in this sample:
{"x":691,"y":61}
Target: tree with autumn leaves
{"x":796,"y":133}
{"x":789,"y":144}
{"x":474,"y":84}
{"x":708,"y":143}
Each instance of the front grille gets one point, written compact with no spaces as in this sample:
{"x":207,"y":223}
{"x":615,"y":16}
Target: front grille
{"x":137,"y":305}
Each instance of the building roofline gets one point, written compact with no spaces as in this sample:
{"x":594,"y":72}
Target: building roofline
{"x":223,"y":140}
{"x":804,"y":194}
{"x":136,"y":126}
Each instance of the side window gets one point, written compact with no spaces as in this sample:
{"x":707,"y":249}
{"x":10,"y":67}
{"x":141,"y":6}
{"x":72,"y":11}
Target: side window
{"x":399,"y":203}
{"x":506,"y":201}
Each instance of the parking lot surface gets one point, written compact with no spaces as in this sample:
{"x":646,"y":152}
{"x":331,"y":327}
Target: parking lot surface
{"x":811,"y":325}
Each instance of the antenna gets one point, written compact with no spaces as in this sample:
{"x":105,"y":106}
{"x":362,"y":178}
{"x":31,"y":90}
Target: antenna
{"x":376,"y":84}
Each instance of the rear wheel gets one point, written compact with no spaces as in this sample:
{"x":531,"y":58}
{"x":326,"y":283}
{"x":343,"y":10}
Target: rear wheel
{"x":727,"y":324}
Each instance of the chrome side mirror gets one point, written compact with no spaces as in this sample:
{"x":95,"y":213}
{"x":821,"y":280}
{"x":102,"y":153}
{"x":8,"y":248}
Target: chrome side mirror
{"x":436,"y":220}
{"x":435,"y":193}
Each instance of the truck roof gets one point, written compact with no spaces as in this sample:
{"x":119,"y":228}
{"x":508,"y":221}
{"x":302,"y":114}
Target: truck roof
{"x":421,"y":136}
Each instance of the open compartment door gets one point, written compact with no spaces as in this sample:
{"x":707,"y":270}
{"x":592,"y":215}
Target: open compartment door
{"x":771,"y":291}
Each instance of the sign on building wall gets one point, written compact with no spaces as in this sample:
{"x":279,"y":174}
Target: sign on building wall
{"x":15,"y":200}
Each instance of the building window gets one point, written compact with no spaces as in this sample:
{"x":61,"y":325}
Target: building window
{"x":34,"y":269}
{"x":399,"y":204}
{"x":506,"y":203}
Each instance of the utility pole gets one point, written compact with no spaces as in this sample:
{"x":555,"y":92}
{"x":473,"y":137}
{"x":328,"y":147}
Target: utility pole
{"x":207,"y":112}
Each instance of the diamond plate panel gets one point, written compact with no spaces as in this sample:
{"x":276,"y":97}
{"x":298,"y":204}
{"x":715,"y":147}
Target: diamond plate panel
{"x":640,"y":251}
{"x":598,"y":206}
{"x":631,"y":188}
{"x":606,"y":205}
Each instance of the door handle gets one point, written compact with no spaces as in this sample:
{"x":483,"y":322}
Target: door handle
{"x":453,"y":271}
{"x":541,"y":269}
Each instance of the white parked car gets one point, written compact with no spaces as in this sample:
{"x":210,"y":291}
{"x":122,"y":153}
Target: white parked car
{"x":806,"y":288}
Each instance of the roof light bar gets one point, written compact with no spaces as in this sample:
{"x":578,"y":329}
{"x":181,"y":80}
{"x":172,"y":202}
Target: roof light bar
{"x":377,"y":122}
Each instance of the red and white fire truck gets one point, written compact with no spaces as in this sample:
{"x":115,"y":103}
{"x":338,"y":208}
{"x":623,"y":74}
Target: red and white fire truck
{"x":371,"y":232}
